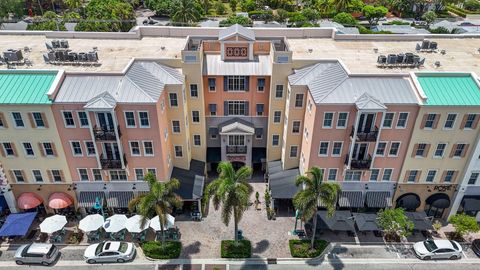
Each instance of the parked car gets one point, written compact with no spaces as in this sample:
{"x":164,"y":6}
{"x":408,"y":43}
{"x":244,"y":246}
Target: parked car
{"x":437,"y":249}
{"x":110,"y":251}
{"x":476,"y":247}
{"x":40,"y":253}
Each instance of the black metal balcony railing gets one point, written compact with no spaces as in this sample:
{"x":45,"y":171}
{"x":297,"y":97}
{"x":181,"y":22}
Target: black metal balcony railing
{"x":105,"y":134}
{"x":236,"y":149}
{"x":109,"y":163}
{"x":363,"y":136}
{"x":359,"y":164}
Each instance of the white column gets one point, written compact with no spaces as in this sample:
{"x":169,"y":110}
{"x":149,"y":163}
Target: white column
{"x":353,"y":139}
{"x":378,"y":138}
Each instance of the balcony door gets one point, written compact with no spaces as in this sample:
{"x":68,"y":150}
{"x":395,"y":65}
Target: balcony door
{"x":236,"y":140}
{"x":360,"y":151}
{"x":366,"y":122}
{"x":111,"y":151}
{"x":105,"y":120}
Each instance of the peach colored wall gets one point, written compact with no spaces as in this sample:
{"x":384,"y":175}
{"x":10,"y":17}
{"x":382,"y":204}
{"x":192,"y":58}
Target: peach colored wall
{"x":308,"y":124}
{"x":261,"y":47}
{"x":211,"y":46}
{"x":252,"y":96}
{"x":165,"y":146}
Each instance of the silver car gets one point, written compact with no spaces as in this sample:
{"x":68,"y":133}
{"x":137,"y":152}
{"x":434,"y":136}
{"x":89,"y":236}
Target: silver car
{"x":110,"y":251}
{"x":39,"y":253}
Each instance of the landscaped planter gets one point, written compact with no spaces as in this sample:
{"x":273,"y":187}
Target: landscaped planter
{"x":301,"y":248}
{"x":155,"y":250}
{"x":236,"y":249}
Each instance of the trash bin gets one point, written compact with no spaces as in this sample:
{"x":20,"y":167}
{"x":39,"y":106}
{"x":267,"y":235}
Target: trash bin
{"x":240,"y":235}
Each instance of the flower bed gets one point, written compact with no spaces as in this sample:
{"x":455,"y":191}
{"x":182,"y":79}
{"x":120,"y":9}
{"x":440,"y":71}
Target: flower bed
{"x":301,"y":248}
{"x":155,"y":250}
{"x":236,"y":249}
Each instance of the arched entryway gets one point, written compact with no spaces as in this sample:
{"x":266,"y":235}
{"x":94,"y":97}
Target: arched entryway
{"x":408,"y":201}
{"x":436,"y":204}
{"x":237,"y":164}
{"x":31,"y":202}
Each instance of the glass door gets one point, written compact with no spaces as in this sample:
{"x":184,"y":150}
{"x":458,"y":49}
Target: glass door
{"x":105,"y":120}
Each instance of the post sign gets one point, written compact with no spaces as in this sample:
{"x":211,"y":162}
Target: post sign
{"x":236,"y":158}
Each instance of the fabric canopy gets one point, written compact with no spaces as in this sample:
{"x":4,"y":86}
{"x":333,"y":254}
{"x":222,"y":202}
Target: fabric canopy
{"x":28,"y":200}
{"x":420,"y":221}
{"x":17,"y":224}
{"x":366,"y":222}
{"x":471,"y":203}
{"x":341,"y":221}
{"x":439,"y":200}
{"x":409,"y":201}
{"x":59,"y":200}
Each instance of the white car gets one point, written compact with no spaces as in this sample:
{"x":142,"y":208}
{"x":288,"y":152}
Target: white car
{"x":110,"y":251}
{"x":438,"y":249}
{"x":41,"y":253}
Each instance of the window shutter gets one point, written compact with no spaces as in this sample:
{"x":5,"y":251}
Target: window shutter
{"x":44,"y":118}
{"x":30,"y":118}
{"x":225,"y":83}
{"x":465,"y":149}
{"x":50,"y":175}
{"x":247,"y":84}
{"x":14,"y":148}
{"x":54,"y":149}
{"x":42,"y":151}
{"x":442,"y":179}
{"x":407,"y":173}
{"x":475,"y":122}
{"x":454,"y":146}
{"x":4,"y":120}
{"x":427,"y":148}
{"x":464,"y":121}
{"x":225,"y":108}
{"x":454,"y":177}
{"x":62,"y":175}
{"x":12,"y":176}
{"x":424,"y":120}
{"x":419,"y":172}
{"x":437,"y":118}
{"x":246,"y":108}
{"x":2,"y":152}
{"x":415,"y":148}
{"x":24,"y":176}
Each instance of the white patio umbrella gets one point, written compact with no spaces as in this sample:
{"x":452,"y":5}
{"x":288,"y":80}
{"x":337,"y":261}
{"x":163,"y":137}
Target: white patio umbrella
{"x":91,"y":223}
{"x":155,"y":223}
{"x":115,"y":223}
{"x":53,"y":224}
{"x":134,"y":224}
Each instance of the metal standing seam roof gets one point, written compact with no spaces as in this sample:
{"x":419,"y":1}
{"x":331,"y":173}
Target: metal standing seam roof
{"x":214,"y":65}
{"x":26,"y":87}
{"x":236,"y":29}
{"x":450,"y":90}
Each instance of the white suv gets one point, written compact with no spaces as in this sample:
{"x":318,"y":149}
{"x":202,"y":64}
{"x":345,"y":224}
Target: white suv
{"x":40,"y":253}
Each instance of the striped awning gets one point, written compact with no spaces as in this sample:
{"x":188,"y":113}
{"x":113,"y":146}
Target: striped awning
{"x":351,"y":199}
{"x":87,"y":198}
{"x":378,"y":199}
{"x":119,"y":199}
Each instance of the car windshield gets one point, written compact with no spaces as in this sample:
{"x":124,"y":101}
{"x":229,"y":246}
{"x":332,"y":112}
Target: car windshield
{"x":123,"y":247}
{"x":430,"y":245}
{"x":455,"y":246}
{"x":99,"y":248}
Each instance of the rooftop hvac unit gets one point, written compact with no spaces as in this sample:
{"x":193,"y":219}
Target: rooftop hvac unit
{"x":82,"y":57}
{"x":64,"y":44}
{"x":45,"y":58}
{"x":382,"y":59}
{"x":72,"y":56}
{"x":49,"y":47}
{"x":55,"y":44}
{"x":52,"y":57}
{"x":92,"y":57}
{"x":13,"y":55}
{"x":391,"y":59}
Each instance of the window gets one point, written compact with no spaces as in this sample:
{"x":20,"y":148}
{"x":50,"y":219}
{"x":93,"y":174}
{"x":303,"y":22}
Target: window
{"x":279,"y":91}
{"x":381,"y":149}
{"x":473,"y":178}
{"x":213,"y":109}
{"x":237,"y":108}
{"x":323,"y":150}
{"x":83,"y":118}
{"x":260,"y":84}
{"x":388,"y":120}
{"x":293,"y":151}
{"x":402,"y":120}
{"x":309,"y":106}
{"x":374,"y":173}
{"x":420,"y":152}
{"x":260,"y":109}
{"x":144,"y":121}
{"x":178,"y":151}
{"x":449,"y":175}
{"x":342,"y":120}
{"x":8,"y":148}
{"x":440,"y":149}
{"x":275,"y":139}
{"x":48,"y":149}
{"x":337,"y":149}
{"x":195,"y":116}
{"x":38,"y":119}
{"x":332,"y":174}
{"x":431,"y":176}
{"x":148,"y":148}
{"x":135,"y":148}
{"x":56,"y":175}
{"x":153,"y":170}
{"x":327,"y":120}
{"x":196,"y":140}
{"x":130,"y":119}
{"x":296,"y":127}
{"x":459,"y":150}
{"x":37,"y":175}
{"x":412,"y":176}
{"x":394,"y":147}
{"x":18,"y":120}
{"x":212,"y":83}
{"x":298,"y":100}
{"x":97,"y":175}
{"x":277,"y":116}
{"x":173,"y":99}
{"x":387,"y":174}
{"x":28,"y":149}
{"x":450,"y":121}
{"x":83,"y":174}
{"x":139,"y":176}
{"x":430,"y":121}
{"x":18,"y":176}
{"x":236,"y":83}
{"x":90,"y":148}
{"x":76,"y":148}
{"x":353,"y":175}
{"x":68,"y":119}
{"x":118,"y":176}
{"x":193,"y":90}
{"x":176,"y":126}
{"x":469,"y":123}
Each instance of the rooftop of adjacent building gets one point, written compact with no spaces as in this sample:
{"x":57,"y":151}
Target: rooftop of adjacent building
{"x":26,"y":86}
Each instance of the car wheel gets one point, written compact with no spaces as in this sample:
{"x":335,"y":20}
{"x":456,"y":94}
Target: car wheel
{"x":45,"y":264}
{"x":454,"y":257}
{"x":427,"y":258}
{"x":19,"y":262}
{"x":121,"y":260}
{"x":91,"y":261}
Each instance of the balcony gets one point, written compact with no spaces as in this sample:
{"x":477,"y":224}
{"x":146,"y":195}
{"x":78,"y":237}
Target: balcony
{"x":108,"y":163}
{"x":236,"y":149}
{"x":105,"y":134}
{"x":359,"y":164}
{"x":365,"y":136}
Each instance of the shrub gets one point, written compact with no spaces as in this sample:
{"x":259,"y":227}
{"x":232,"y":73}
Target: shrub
{"x":363,"y":30}
{"x":219,"y":8}
{"x":456,"y":11}
{"x":464,"y":224}
{"x":236,"y":249}
{"x":344,"y":19}
{"x":155,"y":250}
{"x":394,"y":222}
{"x":472,"y":5}
{"x":397,"y":22}
{"x":301,"y":248}
{"x":236,"y":19}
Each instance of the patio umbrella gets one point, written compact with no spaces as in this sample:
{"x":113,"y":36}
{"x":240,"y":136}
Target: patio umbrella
{"x":115,"y":223}
{"x":134,"y":224}
{"x":366,"y":222}
{"x":341,"y":221}
{"x":155,"y":223}
{"x":91,"y":223}
{"x":53,"y":224}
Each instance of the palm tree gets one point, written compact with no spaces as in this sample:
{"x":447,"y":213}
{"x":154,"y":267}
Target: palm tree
{"x":232,"y":190}
{"x":342,"y":5}
{"x":314,"y":191}
{"x":186,"y":12}
{"x":160,"y":200}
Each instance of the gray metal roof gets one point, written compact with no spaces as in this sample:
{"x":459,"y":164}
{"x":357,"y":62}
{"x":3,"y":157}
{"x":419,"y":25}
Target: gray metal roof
{"x":282,"y":184}
{"x":143,"y":82}
{"x":400,"y":29}
{"x":367,"y":102}
{"x":214,"y":65}
{"x":236,"y":29}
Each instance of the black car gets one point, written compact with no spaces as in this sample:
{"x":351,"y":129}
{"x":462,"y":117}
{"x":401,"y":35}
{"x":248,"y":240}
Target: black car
{"x":476,"y":246}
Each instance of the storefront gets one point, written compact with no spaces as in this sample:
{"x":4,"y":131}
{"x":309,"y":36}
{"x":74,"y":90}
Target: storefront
{"x":365,"y":196}
{"x":45,"y":198}
{"x":468,"y":202}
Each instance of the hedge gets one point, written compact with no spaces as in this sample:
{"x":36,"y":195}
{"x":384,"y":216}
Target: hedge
{"x":236,"y":249}
{"x":155,"y":250}
{"x":460,"y":11}
{"x":301,"y":248}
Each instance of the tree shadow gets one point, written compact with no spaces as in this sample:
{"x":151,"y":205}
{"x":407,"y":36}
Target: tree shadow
{"x":330,"y":254}
{"x":185,"y":255}
{"x":261,"y":246}
{"x":189,"y":250}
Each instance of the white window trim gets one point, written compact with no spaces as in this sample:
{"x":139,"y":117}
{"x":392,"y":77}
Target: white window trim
{"x":147,"y":170}
{"x":80,"y":176}
{"x":437,"y":115}
{"x":15,"y":123}
{"x":299,"y":128}
{"x":406,"y":120}
{"x":467,"y":114}
{"x":65,"y":122}
{"x":459,"y":157}
{"x":393,"y":120}
{"x":290,"y":151}
{"x":454,"y":122}
{"x":131,"y":149}
{"x":140,"y":119}
{"x":323,"y":120}
{"x":446,"y":172}
{"x":179,"y":126}
{"x":135,"y":173}
{"x":390,"y":147}
{"x":417,"y":156}
{"x":93,"y":174}
{"x":295,"y":101}
{"x":383,"y":173}
{"x":25,"y":150}
{"x":170,"y":101}
{"x":275,"y":92}
{"x":34,"y":179}
{"x":384,"y":151}
{"x":134,"y":119}
{"x":45,"y":152}
{"x":73,"y":152}
{"x":199,"y":118}
{"x":409,"y":173}
{"x":86,"y":148}
{"x":35,"y":122}
{"x":320,"y":145}
{"x":273,"y":120}
{"x":175,"y":151}
{"x":190,"y":90}
{"x":80,"y":122}
{"x":346,"y":120}
{"x":333,"y":146}
{"x":443,"y":153}
{"x":434,"y":178}
{"x":153,"y":148}
{"x":193,"y":140}
{"x":378,"y":175}
{"x":278,"y":145}
{"x":25,"y":180}
{"x":336,"y":174}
